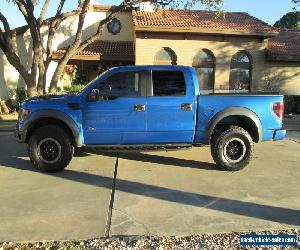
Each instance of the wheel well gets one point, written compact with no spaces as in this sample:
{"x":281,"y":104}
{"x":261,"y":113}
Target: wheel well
{"x":241,"y":121}
{"x":45,"y":121}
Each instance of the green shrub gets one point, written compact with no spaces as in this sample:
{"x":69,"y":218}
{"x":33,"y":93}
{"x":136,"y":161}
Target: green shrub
{"x":73,"y":88}
{"x":292,"y":104}
{"x":21,"y":95}
{"x":12,"y":105}
{"x":58,"y":89}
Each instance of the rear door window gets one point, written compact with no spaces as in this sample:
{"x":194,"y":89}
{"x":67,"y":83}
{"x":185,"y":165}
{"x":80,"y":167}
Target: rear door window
{"x":168,"y":83}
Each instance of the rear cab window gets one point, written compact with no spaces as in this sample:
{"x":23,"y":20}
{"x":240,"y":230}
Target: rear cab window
{"x":168,"y":83}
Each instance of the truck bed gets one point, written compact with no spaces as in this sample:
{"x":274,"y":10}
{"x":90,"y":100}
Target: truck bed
{"x":261,"y":105}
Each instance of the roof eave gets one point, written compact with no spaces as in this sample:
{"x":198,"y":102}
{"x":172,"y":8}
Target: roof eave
{"x":283,"y":58}
{"x":94,"y":57}
{"x":204,"y":31}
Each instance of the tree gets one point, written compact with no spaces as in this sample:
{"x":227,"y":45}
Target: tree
{"x":35,"y":77}
{"x":289,"y":21}
{"x":297,"y":3}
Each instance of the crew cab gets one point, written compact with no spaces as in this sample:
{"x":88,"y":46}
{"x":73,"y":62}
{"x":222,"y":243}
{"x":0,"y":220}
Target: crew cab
{"x":148,"y":108}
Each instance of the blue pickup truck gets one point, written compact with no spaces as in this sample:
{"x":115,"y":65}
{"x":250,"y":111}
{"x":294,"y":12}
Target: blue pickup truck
{"x":148,"y":108}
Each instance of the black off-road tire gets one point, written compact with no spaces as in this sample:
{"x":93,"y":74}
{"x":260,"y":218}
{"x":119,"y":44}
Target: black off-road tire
{"x":232,"y":148}
{"x":51,"y":139}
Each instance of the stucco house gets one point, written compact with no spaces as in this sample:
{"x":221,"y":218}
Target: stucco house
{"x":232,"y":53}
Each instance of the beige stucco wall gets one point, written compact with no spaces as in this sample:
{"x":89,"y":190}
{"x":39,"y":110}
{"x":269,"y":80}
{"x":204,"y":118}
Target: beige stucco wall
{"x":10,"y":78}
{"x":286,"y":75}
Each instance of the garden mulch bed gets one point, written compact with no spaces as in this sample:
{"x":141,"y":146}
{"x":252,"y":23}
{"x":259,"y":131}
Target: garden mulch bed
{"x":203,"y":241}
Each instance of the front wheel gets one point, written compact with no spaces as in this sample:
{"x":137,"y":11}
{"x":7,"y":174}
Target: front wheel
{"x":232,"y":148}
{"x":50,"y":149}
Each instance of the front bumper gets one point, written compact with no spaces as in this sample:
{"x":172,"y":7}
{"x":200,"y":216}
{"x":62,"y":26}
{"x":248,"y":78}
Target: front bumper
{"x":19,"y":135}
{"x":279,"y":134}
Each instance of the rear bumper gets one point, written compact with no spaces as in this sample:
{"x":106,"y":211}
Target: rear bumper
{"x":279,"y":134}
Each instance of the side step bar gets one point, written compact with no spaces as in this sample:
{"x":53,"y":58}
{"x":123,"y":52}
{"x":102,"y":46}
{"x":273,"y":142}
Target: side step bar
{"x":146,"y":147}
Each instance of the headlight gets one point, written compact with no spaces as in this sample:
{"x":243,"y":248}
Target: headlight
{"x":24,"y":113}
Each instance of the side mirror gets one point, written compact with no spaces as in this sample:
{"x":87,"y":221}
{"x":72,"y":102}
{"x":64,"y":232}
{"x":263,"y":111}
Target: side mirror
{"x":94,"y":95}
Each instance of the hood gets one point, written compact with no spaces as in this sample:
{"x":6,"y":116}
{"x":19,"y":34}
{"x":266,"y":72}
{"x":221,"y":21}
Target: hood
{"x":51,"y":100}
{"x":44,"y":98}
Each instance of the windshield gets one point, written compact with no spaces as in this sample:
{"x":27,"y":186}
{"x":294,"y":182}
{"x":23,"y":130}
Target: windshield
{"x":91,"y":82}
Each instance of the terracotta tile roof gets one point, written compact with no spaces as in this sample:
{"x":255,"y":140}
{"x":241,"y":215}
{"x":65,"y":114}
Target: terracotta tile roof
{"x":201,"y":21}
{"x":106,"y":50}
{"x":285,"y":46}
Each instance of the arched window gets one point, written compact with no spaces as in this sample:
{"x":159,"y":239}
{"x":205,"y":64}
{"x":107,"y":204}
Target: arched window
{"x":240,"y":72}
{"x":204,"y":63}
{"x":165,"y":56}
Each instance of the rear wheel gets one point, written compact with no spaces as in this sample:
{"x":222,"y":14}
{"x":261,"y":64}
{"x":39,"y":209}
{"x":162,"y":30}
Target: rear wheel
{"x":50,"y":148}
{"x":232,"y":148}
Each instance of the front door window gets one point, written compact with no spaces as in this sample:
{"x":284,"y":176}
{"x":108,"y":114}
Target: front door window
{"x":123,"y":84}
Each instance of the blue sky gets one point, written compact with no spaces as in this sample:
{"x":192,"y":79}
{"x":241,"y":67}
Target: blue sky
{"x":267,"y":10}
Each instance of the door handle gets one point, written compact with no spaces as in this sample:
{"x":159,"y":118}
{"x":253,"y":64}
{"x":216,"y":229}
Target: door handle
{"x":139,"y":107}
{"x":186,"y":107}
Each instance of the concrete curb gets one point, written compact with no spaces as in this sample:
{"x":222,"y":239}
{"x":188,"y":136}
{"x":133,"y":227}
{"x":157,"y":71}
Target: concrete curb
{"x":6,"y":126}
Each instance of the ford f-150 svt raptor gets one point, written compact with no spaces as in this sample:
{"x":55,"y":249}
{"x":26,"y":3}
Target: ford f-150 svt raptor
{"x":146,"y":108}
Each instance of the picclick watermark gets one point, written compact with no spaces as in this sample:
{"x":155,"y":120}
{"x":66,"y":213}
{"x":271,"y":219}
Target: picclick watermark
{"x":268,"y":240}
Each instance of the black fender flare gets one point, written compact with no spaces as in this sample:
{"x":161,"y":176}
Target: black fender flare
{"x":58,"y":115}
{"x":234,"y":111}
